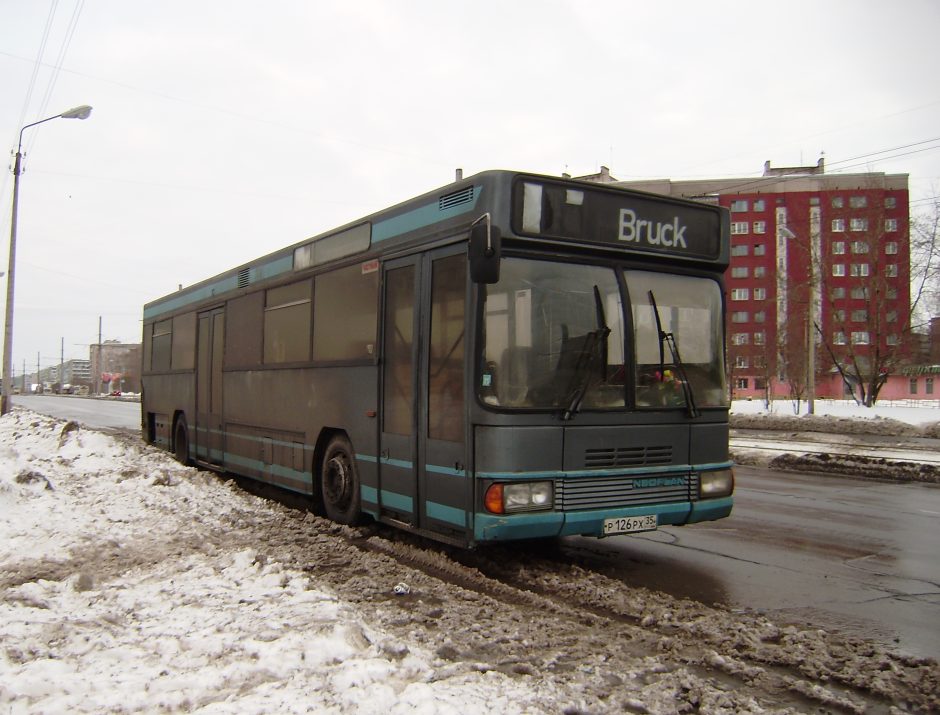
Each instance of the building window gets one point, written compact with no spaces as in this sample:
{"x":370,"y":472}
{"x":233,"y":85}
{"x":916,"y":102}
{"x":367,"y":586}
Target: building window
{"x":740,"y":316}
{"x":739,"y":250}
{"x":891,"y":294}
{"x":928,"y":386}
{"x":760,"y":271}
{"x":860,"y":337}
{"x":859,"y":316}
{"x":760,"y":205}
{"x":892,"y":339}
{"x":891,"y":225}
{"x":739,"y":227}
{"x":739,"y":205}
{"x":760,"y":294}
{"x":739,"y":272}
{"x":891,"y":270}
{"x":740,"y":339}
{"x":837,"y":293}
{"x":891,"y":248}
{"x":838,"y":247}
{"x":760,"y":249}
{"x":838,"y":315}
{"x":913,"y":385}
{"x":891,"y":316}
{"x":760,"y":227}
{"x":740,"y":294}
{"x":760,"y":361}
{"x":890,"y":202}
{"x":860,"y":293}
{"x":858,"y":269}
{"x":858,"y":224}
{"x":838,"y":338}
{"x":760,"y":316}
{"x":858,"y":202}
{"x":838,"y":225}
{"x":837,"y":202}
{"x":760,"y":338}
{"x":838,"y":270}
{"x":741,"y":383}
{"x":760,"y":383}
{"x":740,"y":361}
{"x":859,"y":247}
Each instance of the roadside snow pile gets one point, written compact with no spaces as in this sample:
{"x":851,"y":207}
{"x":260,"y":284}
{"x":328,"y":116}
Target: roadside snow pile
{"x":838,"y":417}
{"x":126,"y":585}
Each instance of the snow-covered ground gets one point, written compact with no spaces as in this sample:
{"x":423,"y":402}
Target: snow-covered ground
{"x":836,"y":410}
{"x":129,"y":583}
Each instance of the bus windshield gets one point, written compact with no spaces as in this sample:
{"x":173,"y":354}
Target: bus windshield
{"x":554,"y":339}
{"x":677,"y":325}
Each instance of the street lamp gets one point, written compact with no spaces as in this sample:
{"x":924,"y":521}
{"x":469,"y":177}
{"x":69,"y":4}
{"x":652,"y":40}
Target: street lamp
{"x":81,"y":112}
{"x":810,"y":336}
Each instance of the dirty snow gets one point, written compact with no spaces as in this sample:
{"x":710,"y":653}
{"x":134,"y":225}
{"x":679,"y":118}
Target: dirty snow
{"x":129,"y":583}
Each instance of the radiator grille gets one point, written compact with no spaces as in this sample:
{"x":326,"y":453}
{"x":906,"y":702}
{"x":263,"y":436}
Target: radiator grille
{"x":456,"y":198}
{"x":640,"y":456}
{"x":575,"y":494}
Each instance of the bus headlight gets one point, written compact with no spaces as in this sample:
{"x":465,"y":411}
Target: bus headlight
{"x":719,"y":483}
{"x":503,"y":498}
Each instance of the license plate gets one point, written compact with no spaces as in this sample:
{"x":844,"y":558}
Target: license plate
{"x":630,"y":524}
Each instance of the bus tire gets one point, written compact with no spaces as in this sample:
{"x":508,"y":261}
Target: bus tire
{"x":181,"y":441}
{"x":339,"y":482}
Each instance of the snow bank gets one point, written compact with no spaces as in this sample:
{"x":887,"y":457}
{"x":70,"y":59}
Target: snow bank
{"x":115,"y":599}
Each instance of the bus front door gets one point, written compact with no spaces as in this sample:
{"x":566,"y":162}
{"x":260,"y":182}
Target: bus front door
{"x":422,"y":474}
{"x":208,"y":432}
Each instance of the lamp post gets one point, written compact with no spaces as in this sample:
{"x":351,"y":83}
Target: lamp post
{"x":81,"y":112}
{"x":810,"y":336}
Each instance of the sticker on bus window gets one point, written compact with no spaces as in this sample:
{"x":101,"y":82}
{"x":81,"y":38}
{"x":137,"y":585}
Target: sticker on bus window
{"x":370,"y":266}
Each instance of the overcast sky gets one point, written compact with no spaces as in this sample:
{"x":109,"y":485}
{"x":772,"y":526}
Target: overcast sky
{"x":224,"y":130}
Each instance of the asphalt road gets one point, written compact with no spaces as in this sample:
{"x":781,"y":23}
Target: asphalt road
{"x":857,"y":557}
{"x":112,"y":413}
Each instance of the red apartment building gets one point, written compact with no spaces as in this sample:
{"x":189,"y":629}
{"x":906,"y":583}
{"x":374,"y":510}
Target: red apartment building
{"x":834,"y":247}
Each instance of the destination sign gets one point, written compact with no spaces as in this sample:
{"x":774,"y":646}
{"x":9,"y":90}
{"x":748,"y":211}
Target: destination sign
{"x":616,"y":217}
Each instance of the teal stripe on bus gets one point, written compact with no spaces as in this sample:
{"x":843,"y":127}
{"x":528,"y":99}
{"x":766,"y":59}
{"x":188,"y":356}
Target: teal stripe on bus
{"x":442,"y":512}
{"x":275,"y":267}
{"x":397,"y":501}
{"x":420,"y":217}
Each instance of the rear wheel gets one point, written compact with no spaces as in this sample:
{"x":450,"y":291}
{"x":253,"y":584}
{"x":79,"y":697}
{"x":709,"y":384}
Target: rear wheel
{"x":339,"y":482}
{"x":181,"y":441}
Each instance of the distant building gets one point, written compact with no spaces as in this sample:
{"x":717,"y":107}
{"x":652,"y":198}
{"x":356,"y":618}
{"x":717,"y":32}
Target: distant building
{"x":115,"y":366}
{"x":848,"y":231}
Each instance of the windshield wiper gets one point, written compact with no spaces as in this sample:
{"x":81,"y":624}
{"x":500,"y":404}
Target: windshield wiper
{"x":593,"y":349}
{"x":670,"y":340}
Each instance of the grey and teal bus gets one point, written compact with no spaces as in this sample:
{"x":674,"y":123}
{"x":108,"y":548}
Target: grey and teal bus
{"x":511,"y":356}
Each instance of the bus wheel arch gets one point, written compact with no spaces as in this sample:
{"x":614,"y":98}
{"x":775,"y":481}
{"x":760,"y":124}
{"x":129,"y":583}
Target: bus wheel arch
{"x":180,"y":438}
{"x":338,"y":483}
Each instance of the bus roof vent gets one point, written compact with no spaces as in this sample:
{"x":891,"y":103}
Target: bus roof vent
{"x":455,"y":198}
{"x":244,"y":277}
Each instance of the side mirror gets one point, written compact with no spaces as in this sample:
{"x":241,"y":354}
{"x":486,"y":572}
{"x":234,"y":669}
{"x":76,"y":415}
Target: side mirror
{"x":484,"y":251}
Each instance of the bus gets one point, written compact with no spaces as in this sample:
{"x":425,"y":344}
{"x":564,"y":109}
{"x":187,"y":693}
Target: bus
{"x":511,"y":356}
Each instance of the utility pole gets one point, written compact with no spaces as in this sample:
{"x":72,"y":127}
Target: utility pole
{"x":98,"y":360}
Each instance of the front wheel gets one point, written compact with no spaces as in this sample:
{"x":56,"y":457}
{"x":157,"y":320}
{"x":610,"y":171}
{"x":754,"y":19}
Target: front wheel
{"x":339,"y":482}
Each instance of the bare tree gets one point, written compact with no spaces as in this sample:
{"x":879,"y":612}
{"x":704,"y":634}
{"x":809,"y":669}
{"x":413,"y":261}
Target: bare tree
{"x":925,"y":263}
